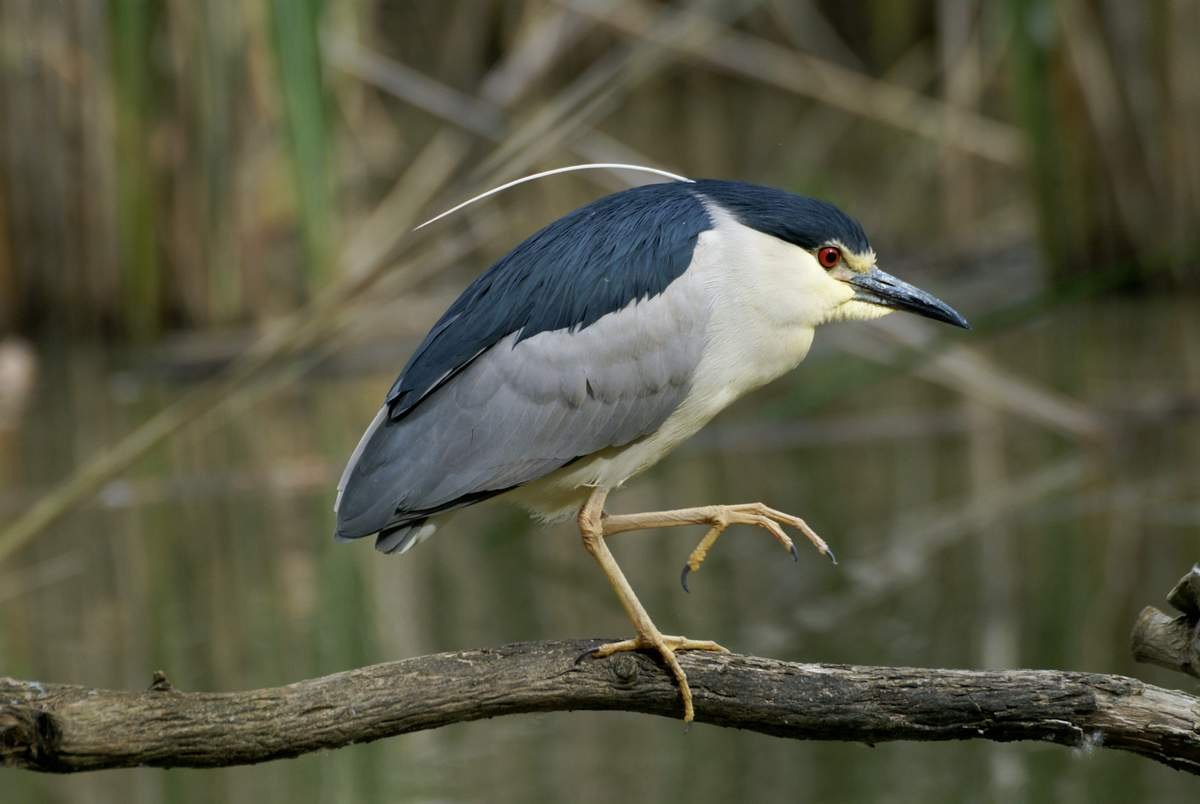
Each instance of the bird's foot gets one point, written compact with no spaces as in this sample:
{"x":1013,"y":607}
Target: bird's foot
{"x":666,"y":646}
{"x":722,"y":516}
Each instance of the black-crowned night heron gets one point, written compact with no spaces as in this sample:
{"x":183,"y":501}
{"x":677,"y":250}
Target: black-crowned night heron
{"x":596,"y":347}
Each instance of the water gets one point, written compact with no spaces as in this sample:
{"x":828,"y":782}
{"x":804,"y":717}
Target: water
{"x":967,"y":538}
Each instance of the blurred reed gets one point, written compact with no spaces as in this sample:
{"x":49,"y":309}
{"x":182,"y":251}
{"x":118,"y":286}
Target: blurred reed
{"x":173,"y":164}
{"x":1109,"y":98}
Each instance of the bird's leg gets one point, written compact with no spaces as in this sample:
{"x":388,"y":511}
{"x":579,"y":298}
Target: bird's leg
{"x":592,"y":523}
{"x":718,"y":518}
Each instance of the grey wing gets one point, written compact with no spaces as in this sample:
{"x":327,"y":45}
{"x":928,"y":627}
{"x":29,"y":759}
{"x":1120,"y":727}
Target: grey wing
{"x":525,"y":408}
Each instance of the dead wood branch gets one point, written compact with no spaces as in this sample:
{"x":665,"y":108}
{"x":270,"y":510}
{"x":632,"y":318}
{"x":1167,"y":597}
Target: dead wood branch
{"x":61,"y":728}
{"x":1172,"y":642}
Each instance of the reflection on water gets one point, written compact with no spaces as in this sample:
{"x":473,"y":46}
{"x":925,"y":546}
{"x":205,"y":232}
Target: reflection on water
{"x":968,"y":538}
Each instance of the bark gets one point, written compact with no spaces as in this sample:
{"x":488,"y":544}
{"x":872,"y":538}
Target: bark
{"x":1172,"y":642}
{"x":61,"y":728}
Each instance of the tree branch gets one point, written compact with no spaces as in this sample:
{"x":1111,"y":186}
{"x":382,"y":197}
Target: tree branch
{"x":62,"y":728}
{"x":1172,"y":642}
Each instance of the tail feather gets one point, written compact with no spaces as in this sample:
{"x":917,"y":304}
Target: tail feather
{"x":358,"y":451}
{"x":402,"y":538}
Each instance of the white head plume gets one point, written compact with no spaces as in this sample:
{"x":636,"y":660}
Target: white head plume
{"x":545,"y":173}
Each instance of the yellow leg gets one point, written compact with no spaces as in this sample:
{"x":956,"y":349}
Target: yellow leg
{"x":592,"y":527}
{"x":595,"y":526}
{"x":718,"y":518}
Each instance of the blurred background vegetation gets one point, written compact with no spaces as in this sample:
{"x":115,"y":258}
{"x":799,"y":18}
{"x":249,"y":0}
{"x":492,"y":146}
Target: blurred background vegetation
{"x":207,"y":282}
{"x":168,"y":165}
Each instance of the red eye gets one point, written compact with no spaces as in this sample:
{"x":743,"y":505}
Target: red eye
{"x":829,"y":257}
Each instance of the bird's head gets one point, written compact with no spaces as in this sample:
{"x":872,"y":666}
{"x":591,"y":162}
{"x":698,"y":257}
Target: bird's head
{"x":837,"y":263}
{"x":871,"y":292}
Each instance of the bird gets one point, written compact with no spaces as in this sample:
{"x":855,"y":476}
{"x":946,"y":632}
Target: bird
{"x":597,"y":346}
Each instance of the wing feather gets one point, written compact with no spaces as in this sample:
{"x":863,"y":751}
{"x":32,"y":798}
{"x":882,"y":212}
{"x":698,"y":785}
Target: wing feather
{"x":584,"y":337}
{"x":623,"y":247}
{"x":521,"y":411}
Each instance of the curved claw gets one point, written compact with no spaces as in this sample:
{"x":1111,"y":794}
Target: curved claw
{"x":796,"y":554}
{"x":832,"y":557}
{"x":589,"y":653}
{"x":683,"y":576}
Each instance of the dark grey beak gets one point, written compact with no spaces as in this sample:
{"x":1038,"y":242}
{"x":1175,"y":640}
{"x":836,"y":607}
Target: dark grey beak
{"x":877,"y":287}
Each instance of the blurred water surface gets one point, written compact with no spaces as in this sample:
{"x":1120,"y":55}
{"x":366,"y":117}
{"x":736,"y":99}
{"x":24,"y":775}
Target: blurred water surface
{"x":969,"y":537}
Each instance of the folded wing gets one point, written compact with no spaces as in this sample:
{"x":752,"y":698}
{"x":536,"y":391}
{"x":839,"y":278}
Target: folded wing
{"x":584,"y":337}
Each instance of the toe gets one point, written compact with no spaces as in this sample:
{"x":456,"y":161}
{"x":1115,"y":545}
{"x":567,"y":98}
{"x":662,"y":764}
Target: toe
{"x":678,"y":643}
{"x":618,"y":647}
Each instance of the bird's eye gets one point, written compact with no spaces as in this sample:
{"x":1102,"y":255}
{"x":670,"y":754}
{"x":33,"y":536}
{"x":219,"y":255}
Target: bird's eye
{"x":829,"y":257}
